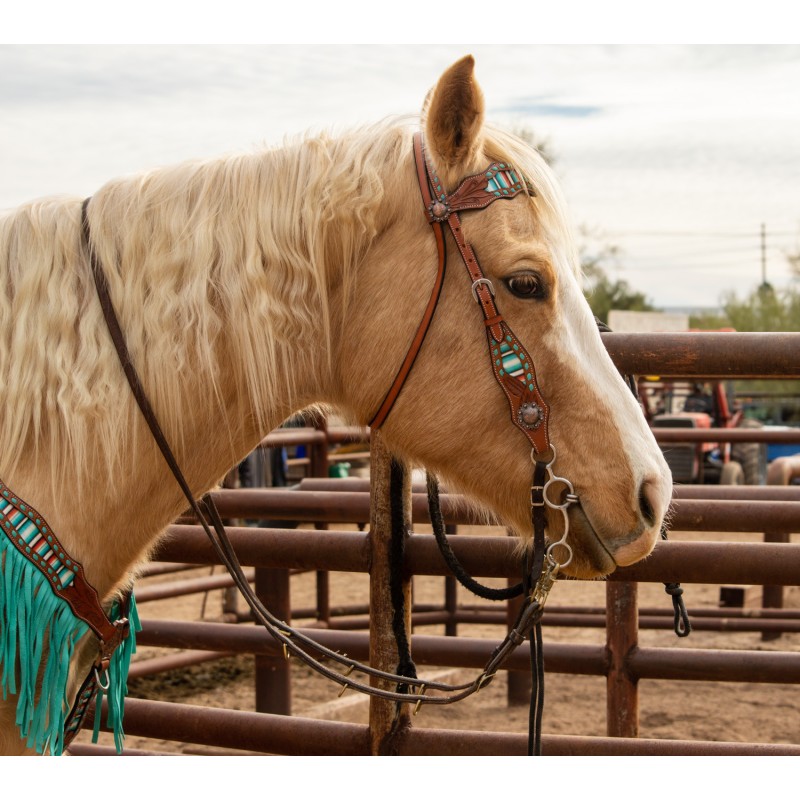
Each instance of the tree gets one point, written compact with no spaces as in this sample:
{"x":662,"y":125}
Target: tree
{"x":764,"y":309}
{"x":605,"y":294}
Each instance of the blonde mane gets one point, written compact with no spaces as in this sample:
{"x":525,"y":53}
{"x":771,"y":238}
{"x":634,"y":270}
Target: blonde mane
{"x":247,"y":245}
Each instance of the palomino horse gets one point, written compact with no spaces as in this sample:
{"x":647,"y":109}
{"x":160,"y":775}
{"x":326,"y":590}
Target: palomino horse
{"x":253,"y":286}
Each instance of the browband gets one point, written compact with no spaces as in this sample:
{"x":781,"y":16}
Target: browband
{"x":512,"y":365}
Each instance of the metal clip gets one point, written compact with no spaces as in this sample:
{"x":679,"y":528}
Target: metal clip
{"x":545,"y":583}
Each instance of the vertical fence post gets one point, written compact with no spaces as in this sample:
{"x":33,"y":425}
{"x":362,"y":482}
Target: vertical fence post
{"x":319,"y":469}
{"x":451,"y":594}
{"x":273,"y":673}
{"x":622,"y":637}
{"x":384,"y":717}
{"x":518,"y":690}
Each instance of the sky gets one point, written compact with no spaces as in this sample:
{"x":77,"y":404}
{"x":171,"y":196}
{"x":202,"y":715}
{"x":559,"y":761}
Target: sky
{"x":675,"y":155}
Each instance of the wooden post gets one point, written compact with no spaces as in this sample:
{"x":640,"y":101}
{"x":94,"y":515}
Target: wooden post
{"x":622,"y":637}
{"x":384,"y":717}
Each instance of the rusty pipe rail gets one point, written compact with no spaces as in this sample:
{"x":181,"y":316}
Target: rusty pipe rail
{"x":268,"y":733}
{"x":760,"y":435}
{"x":162,"y":591}
{"x":353,"y":507}
{"x":487,"y":556}
{"x":706,"y":355}
{"x":681,"y":492}
{"x":448,"y":651}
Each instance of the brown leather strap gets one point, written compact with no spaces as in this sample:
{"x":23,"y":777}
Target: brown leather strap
{"x":293,"y":641}
{"x":433,"y":300}
{"x":517,"y":392}
{"x":79,"y":594}
{"x":478,"y":191}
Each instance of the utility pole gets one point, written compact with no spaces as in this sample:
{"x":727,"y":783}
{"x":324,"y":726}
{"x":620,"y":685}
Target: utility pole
{"x":763,"y":254}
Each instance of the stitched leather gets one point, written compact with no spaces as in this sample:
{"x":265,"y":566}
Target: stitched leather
{"x":471,"y":194}
{"x":433,"y":301}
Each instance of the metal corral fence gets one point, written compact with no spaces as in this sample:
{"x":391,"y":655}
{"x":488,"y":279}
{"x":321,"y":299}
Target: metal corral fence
{"x":274,"y":553}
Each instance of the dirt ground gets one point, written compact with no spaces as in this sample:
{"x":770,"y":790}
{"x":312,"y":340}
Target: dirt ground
{"x":574,"y":704}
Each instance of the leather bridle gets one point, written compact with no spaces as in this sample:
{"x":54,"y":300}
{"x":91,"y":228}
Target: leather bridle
{"x":511,"y":363}
{"x":513,"y":368}
{"x":529,"y":411}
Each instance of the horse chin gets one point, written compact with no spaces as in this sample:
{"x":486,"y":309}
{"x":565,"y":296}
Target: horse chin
{"x":590,"y":557}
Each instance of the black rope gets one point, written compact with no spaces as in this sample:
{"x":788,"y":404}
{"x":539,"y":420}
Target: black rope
{"x":681,"y":623}
{"x":463,"y":577}
{"x":537,"y":692}
{"x":397,"y":481}
{"x":531,"y":576}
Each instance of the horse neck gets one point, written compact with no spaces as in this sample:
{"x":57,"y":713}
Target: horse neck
{"x":219,"y":378}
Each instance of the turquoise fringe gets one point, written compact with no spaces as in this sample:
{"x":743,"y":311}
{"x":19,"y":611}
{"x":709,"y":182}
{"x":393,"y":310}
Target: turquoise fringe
{"x":118,"y":678}
{"x":32,"y":616}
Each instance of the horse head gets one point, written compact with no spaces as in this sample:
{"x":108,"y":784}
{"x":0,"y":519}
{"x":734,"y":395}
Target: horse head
{"x":450,"y":414}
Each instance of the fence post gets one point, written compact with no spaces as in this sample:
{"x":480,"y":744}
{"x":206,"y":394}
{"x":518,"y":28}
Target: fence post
{"x":384,"y":717}
{"x":622,"y":637}
{"x":319,"y":469}
{"x":273,"y":673}
{"x":451,"y":594}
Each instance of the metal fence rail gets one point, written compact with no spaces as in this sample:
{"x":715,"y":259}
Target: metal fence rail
{"x":621,"y":660}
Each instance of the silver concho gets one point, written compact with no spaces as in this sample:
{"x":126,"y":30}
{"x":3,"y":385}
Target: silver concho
{"x":530,"y":416}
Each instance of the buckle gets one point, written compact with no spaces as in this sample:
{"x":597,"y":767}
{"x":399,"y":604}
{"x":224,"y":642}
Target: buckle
{"x":537,"y":497}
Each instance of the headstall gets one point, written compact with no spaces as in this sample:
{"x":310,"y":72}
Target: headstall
{"x":511,"y":363}
{"x":513,"y":368}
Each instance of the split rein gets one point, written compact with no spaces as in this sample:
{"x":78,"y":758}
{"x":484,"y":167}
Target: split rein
{"x":514,"y":371}
{"x":290,"y":639}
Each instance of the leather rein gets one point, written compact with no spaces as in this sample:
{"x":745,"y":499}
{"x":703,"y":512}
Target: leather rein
{"x":513,"y":368}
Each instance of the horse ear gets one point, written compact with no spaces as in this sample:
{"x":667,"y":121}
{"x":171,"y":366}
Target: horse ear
{"x":453,"y":115}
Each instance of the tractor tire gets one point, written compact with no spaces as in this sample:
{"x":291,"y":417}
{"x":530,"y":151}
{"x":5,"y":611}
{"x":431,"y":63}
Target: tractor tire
{"x":732,"y":474}
{"x":752,"y":456}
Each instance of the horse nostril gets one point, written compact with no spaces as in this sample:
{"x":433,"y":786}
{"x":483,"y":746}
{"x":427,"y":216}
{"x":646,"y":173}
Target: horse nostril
{"x":645,"y":506}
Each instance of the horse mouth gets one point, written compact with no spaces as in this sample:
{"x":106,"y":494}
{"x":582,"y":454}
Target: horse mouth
{"x":591,"y":558}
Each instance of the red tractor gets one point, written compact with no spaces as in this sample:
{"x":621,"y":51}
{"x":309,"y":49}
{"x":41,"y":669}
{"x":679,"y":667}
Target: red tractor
{"x":680,"y":405}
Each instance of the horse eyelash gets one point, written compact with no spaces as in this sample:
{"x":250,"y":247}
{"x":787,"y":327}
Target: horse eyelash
{"x":539,"y":294}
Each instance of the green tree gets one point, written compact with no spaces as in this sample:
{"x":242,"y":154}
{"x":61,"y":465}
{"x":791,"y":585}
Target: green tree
{"x":764,"y":309}
{"x":605,"y":294}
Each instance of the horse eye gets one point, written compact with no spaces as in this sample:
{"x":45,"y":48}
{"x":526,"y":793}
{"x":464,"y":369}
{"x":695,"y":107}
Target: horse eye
{"x":527,"y":285}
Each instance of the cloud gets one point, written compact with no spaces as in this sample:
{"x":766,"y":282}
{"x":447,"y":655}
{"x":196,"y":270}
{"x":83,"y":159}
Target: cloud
{"x":539,"y":107}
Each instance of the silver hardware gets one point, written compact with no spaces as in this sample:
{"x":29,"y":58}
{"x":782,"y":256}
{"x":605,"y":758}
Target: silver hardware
{"x":569,"y":498}
{"x":486,"y":282}
{"x":102,"y":686}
